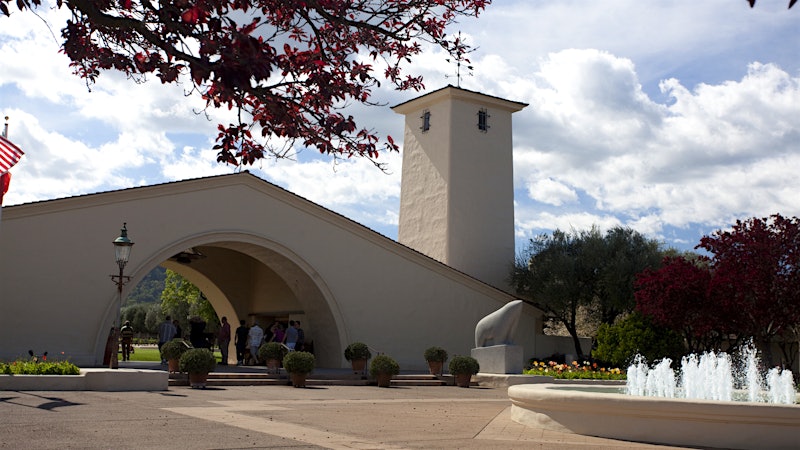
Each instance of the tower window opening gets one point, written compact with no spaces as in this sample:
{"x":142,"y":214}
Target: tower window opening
{"x":483,"y":120}
{"x":426,"y":121}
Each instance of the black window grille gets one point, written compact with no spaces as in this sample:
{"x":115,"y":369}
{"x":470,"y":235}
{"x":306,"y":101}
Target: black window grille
{"x":426,"y":121}
{"x":483,"y":120}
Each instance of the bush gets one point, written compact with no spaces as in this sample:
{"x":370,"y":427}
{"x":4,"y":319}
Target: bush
{"x":464,"y":364}
{"x":174,"y":349}
{"x":436,"y":354}
{"x":272,"y":350}
{"x":357,"y":350}
{"x":636,"y":334}
{"x":383,"y":364}
{"x":298,"y":362}
{"x":21,"y":367}
{"x":197,"y":360}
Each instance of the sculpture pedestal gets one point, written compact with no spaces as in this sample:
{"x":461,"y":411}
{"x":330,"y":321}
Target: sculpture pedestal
{"x":499,"y":358}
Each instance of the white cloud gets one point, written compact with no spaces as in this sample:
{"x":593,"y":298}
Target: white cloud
{"x":551,"y":192}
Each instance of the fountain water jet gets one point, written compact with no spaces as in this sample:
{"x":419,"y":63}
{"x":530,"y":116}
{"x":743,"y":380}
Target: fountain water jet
{"x":710,"y":376}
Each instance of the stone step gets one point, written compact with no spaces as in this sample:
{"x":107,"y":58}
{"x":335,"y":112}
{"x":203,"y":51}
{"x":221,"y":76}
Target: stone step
{"x":263,"y":379}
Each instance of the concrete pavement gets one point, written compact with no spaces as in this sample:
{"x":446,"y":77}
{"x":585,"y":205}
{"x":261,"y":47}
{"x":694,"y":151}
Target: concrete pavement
{"x":337,"y":417}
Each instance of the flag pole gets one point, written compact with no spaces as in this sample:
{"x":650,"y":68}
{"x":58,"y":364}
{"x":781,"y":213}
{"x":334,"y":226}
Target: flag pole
{"x":2,"y":176}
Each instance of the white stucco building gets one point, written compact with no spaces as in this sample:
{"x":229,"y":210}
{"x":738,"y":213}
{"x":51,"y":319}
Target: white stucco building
{"x":270,"y":254}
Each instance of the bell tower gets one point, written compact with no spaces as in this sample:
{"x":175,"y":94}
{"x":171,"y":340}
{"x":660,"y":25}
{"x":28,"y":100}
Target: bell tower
{"x":457,"y":191}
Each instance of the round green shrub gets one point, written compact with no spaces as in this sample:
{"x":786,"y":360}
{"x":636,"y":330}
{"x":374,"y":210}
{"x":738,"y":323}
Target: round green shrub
{"x":298,"y":362}
{"x":618,"y":344}
{"x":435,"y":354}
{"x":357,"y":350}
{"x":464,"y":364}
{"x":383,"y":364}
{"x":197,"y":360}
{"x":174,"y":349}
{"x":272,"y":350}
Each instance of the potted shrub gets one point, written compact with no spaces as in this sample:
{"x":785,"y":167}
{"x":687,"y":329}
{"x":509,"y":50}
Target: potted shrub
{"x":463,"y":368}
{"x":436,"y":357}
{"x":383,"y":368}
{"x":273,"y":353}
{"x":198,"y":362}
{"x":298,"y":365}
{"x":357,"y":353}
{"x":172,"y":351}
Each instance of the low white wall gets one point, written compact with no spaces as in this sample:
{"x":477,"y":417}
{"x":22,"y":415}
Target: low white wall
{"x":89,"y":380}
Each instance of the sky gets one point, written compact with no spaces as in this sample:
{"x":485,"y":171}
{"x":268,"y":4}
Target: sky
{"x":673,"y":118}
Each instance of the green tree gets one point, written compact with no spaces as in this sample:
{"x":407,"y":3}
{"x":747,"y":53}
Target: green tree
{"x":181,"y":299}
{"x":565,"y":273}
{"x":138,"y":313}
{"x":622,"y":255}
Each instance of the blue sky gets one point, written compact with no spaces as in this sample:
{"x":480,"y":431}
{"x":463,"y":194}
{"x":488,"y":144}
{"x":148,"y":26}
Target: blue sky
{"x":674,"y":118}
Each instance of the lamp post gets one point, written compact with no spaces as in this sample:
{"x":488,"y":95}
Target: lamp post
{"x":122,"y":252}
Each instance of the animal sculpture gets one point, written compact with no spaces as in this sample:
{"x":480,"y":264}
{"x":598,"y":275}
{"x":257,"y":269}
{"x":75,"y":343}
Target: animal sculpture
{"x":498,"y":327}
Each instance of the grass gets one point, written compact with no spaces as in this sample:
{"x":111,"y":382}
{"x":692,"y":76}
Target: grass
{"x":146,"y":354}
{"x":152,"y":354}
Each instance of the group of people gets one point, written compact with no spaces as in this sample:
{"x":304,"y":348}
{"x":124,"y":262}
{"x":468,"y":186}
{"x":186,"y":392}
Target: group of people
{"x":246,"y":339}
{"x":251,"y":338}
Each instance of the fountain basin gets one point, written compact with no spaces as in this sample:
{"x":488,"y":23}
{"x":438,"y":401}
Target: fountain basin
{"x":603,"y":412}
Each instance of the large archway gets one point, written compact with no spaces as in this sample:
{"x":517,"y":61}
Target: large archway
{"x":250,"y":278}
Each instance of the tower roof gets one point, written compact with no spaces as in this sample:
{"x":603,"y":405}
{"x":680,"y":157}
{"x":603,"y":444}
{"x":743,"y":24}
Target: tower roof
{"x":454,"y":92}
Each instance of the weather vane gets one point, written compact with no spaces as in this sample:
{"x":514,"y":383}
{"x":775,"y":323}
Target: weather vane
{"x":459,"y":51}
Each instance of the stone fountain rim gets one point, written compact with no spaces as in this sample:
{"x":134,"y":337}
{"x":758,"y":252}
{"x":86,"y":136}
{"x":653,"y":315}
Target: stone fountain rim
{"x":652,"y":419}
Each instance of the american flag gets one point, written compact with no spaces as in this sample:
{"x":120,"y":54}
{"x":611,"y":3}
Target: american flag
{"x":9,"y":154}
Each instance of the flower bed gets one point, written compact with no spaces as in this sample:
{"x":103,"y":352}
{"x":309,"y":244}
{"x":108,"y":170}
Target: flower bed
{"x":574,"y":371}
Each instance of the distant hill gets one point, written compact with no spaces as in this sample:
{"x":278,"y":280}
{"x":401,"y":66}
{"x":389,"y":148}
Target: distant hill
{"x":149,"y":289}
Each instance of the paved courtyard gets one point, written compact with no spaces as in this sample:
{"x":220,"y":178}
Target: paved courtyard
{"x":237,"y":417}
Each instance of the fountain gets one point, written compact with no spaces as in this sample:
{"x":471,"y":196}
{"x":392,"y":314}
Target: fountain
{"x":712,"y":376}
{"x":712,"y":402}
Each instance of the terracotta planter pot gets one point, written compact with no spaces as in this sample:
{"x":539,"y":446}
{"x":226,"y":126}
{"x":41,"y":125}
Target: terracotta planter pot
{"x":435,"y":367}
{"x":298,"y":379}
{"x":358,"y":365}
{"x":384,"y":379}
{"x":198,"y":380}
{"x":273,"y":366}
{"x":463,"y":379}
{"x":174,"y":365}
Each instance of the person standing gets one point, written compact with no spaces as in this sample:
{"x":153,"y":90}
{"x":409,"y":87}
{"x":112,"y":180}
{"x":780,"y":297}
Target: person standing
{"x":301,"y":337}
{"x":277,"y":332}
{"x":240,"y":341}
{"x":291,"y":336}
{"x":126,"y":333}
{"x":224,"y":340}
{"x":178,"y":330}
{"x":254,"y":338}
{"x":166,"y":332}
{"x":197,"y":332}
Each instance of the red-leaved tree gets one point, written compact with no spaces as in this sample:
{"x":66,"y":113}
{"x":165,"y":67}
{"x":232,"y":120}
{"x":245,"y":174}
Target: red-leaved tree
{"x":288,"y":67}
{"x":748,"y":288}
{"x":756,"y":276}
{"x":677,"y":296}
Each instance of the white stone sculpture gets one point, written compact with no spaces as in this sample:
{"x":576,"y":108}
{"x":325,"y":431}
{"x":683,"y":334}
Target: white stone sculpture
{"x":498,"y":327}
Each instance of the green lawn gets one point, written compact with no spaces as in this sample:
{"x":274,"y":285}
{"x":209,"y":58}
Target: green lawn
{"x":152,"y":354}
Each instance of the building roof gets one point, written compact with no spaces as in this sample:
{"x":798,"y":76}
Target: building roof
{"x":456,"y":92}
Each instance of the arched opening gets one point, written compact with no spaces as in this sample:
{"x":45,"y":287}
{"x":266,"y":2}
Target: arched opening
{"x":249,"y":278}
